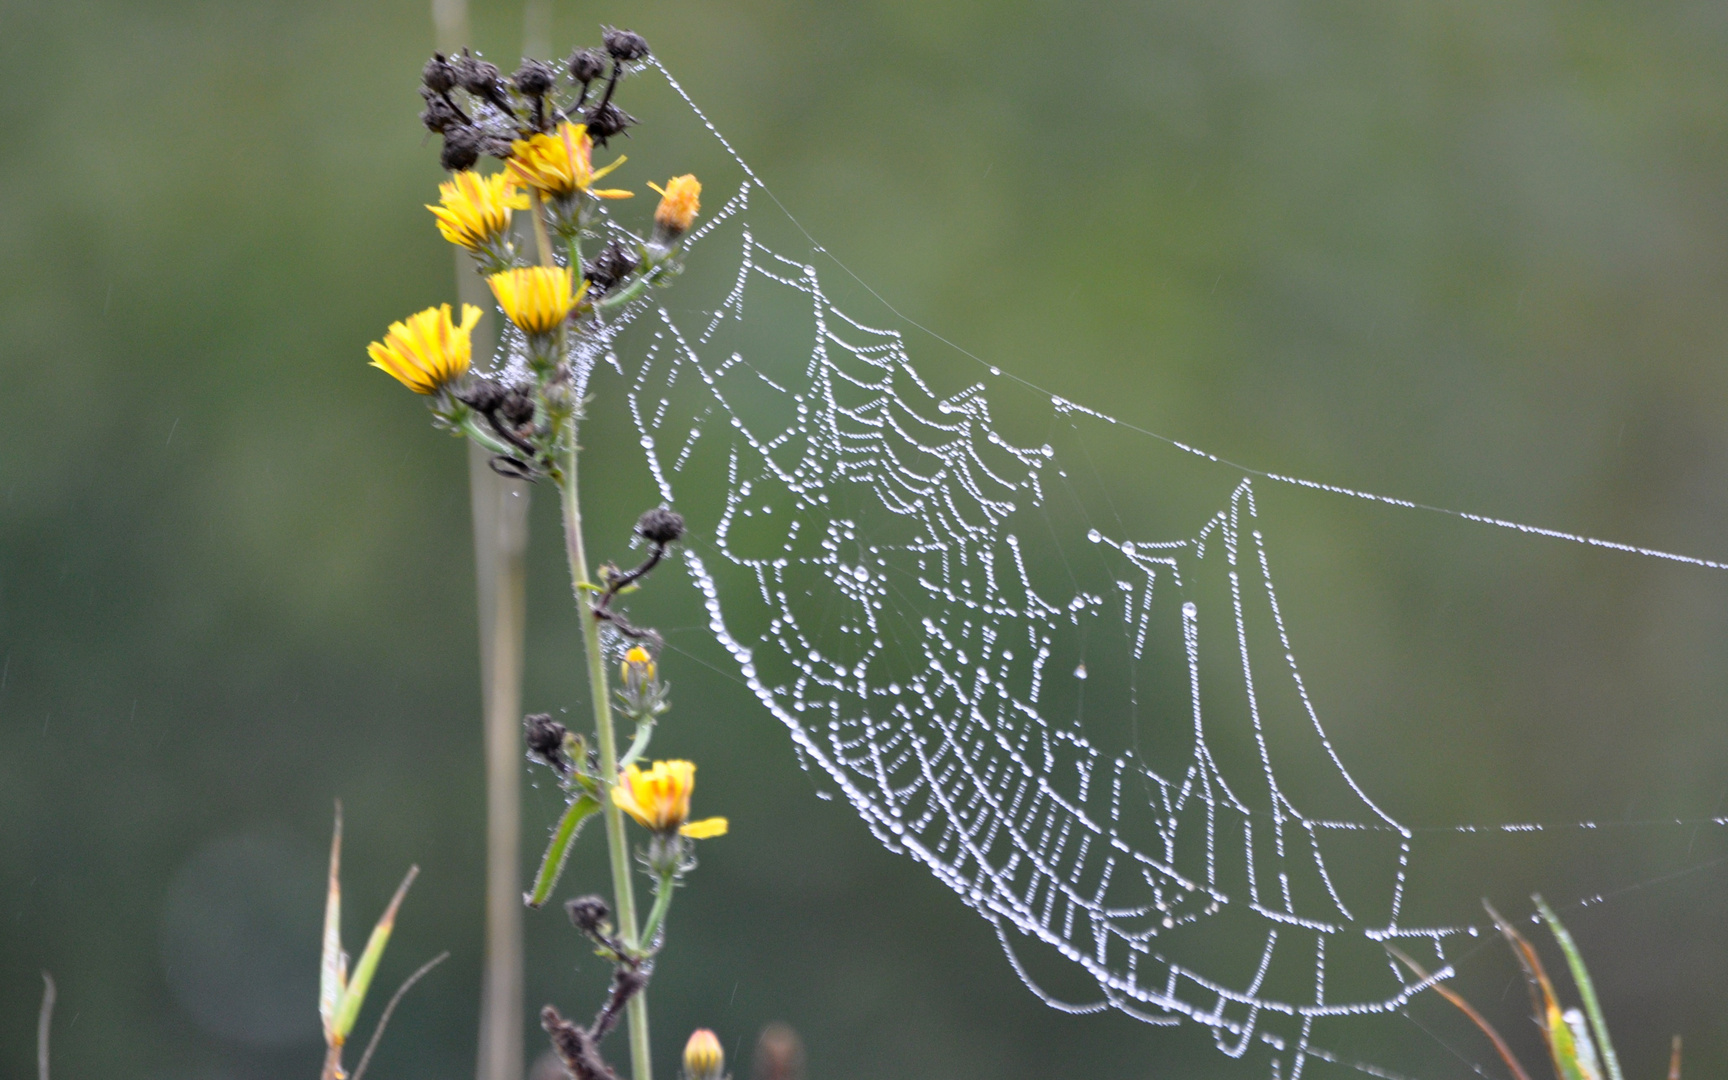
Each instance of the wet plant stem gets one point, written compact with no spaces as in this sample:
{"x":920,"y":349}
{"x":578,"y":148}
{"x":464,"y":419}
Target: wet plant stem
{"x":606,"y":741}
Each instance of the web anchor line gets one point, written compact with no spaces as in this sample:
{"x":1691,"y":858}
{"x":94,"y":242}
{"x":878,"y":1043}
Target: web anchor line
{"x":950,"y":641}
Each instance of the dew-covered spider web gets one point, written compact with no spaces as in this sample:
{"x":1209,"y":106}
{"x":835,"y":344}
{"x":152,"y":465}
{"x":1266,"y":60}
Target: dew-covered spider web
{"x":1089,"y":723}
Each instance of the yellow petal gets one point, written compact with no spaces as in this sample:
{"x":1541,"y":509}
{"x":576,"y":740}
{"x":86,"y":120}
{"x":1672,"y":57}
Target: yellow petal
{"x":705,"y":829}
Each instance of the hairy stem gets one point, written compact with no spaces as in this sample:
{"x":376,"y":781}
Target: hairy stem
{"x":617,"y":844}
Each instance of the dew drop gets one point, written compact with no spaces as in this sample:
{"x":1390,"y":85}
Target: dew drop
{"x":1080,"y":672}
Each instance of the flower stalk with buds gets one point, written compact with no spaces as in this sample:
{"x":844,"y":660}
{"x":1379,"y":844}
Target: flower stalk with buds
{"x":543,"y":123}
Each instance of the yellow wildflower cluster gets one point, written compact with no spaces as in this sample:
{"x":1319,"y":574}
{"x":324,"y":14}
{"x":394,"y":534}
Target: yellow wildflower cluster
{"x":536,"y":298}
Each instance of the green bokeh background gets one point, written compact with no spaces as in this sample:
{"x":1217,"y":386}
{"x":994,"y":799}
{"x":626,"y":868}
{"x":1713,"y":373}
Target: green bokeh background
{"x":1473,"y":254}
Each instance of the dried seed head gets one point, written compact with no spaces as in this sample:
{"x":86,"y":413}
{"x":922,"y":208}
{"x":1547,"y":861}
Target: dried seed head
{"x":462,"y":145}
{"x":607,"y":122}
{"x":614,"y":263}
{"x":625,"y":45}
{"x":545,"y":738}
{"x":477,"y":76}
{"x":534,"y":77}
{"x":438,"y":115}
{"x":586,"y":65}
{"x":517,"y":406}
{"x":588,"y":914}
{"x":438,"y":75}
{"x":660,"y":526}
{"x":485,"y":395}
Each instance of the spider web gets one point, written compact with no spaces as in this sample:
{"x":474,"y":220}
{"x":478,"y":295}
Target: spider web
{"x":929,"y":604}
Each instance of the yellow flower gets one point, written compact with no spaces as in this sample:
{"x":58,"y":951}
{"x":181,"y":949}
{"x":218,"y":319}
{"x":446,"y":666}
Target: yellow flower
{"x":561,"y":164}
{"x":703,"y":1057}
{"x":536,"y":298}
{"x":473,"y":209}
{"x":680,"y":200}
{"x":427,"y":350}
{"x":660,"y":799}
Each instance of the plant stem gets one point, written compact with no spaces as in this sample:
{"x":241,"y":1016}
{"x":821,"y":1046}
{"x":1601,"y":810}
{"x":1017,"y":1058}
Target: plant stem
{"x":662,"y":901}
{"x":617,"y":844}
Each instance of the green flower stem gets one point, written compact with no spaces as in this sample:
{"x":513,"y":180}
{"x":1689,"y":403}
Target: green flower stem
{"x":471,"y":428}
{"x":638,"y":745}
{"x":630,"y":293}
{"x":662,"y":901}
{"x":617,"y":844}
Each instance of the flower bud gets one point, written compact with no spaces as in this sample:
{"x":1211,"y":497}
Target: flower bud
{"x":534,"y":77}
{"x":625,"y":45}
{"x":586,"y":65}
{"x":660,"y":526}
{"x":637,"y":670}
{"x":703,"y":1057}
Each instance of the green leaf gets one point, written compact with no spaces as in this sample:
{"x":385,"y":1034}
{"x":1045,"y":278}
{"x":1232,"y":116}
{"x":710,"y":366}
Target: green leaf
{"x":581,"y":808}
{"x":1586,"y":988}
{"x":354,"y":995}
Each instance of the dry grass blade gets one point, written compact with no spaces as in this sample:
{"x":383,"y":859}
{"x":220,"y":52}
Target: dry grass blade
{"x":46,"y":1017}
{"x":1467,"y":1009}
{"x":330,"y":969}
{"x":378,"y":1032}
{"x":1674,"y":1060}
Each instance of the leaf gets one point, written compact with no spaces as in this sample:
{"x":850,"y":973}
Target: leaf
{"x":330,"y":971}
{"x":1586,"y":988}
{"x":354,"y":995}
{"x":552,"y":863}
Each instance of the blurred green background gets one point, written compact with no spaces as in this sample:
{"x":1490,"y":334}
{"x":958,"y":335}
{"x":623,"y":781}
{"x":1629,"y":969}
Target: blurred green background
{"x":1468,"y":253}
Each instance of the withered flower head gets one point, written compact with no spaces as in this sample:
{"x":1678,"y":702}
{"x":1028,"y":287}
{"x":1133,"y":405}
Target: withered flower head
{"x":438,"y":75}
{"x":614,"y":263}
{"x":545,"y":738}
{"x":477,"y":76}
{"x":462,"y":145}
{"x":588,"y":914}
{"x":586,"y":65}
{"x":660,"y":526}
{"x":625,"y":45}
{"x":534,"y":77}
{"x":608,"y":120}
{"x":438,"y":115}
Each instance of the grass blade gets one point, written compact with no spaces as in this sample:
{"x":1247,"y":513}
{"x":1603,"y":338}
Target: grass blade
{"x":552,"y":863}
{"x":330,"y":973}
{"x":1469,"y":1010}
{"x":1586,"y":988}
{"x":378,"y":1032}
{"x":354,"y":995}
{"x":45,"y":1019}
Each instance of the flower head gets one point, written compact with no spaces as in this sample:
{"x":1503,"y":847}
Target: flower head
{"x":536,"y":298}
{"x":703,"y":1057}
{"x":428,"y":350}
{"x":680,"y":200}
{"x":660,"y":799}
{"x":474,"y":210}
{"x":561,"y":164}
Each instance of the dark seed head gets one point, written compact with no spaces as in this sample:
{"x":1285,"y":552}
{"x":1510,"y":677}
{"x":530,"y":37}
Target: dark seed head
{"x":439,"y":114}
{"x":476,"y":76}
{"x":588,"y":913}
{"x":485,"y":395}
{"x":534,"y":77}
{"x":607,"y":122}
{"x":660,"y":526}
{"x":517,"y":406}
{"x":437,"y":74}
{"x":625,"y":45}
{"x":586,"y":65}
{"x":614,"y":263}
{"x":545,"y":738}
{"x":461,"y":148}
